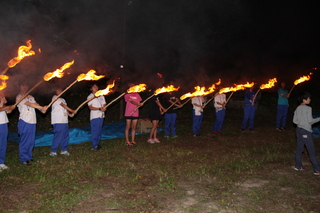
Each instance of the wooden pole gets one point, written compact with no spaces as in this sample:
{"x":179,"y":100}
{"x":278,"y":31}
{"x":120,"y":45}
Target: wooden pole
{"x":210,"y":100}
{"x":25,"y":95}
{"x":291,"y":89}
{"x":229,"y":98}
{"x":171,"y":105}
{"x":184,"y":103}
{"x":5,"y":70}
{"x":62,"y":93}
{"x":114,"y":100}
{"x":86,"y":101}
{"x":142,"y":103}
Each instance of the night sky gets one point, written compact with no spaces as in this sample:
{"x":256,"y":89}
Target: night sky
{"x":188,"y":42}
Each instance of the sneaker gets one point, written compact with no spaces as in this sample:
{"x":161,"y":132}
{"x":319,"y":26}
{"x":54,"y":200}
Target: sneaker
{"x":65,"y":153}
{"x":282,"y":128}
{"x":133,"y":143}
{"x":242,"y":130}
{"x":167,"y":137}
{"x":150,"y":140}
{"x":279,"y":129}
{"x":156,"y":140}
{"x":300,"y":169}
{"x":219,"y":133}
{"x":316,"y":172}
{"x":96,"y":148}
{"x":215,"y":133}
{"x":53,"y":154}
{"x":3,"y":167}
{"x":128,"y":143}
{"x":27,"y":163}
{"x":176,"y":136}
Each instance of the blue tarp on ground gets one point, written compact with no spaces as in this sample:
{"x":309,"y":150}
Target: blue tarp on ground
{"x":77,"y":134}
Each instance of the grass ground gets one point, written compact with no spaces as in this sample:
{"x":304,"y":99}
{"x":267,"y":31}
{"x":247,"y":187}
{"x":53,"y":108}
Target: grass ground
{"x":234,"y":172}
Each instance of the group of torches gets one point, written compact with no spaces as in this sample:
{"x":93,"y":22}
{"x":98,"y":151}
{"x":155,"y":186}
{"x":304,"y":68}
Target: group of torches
{"x":25,"y":51}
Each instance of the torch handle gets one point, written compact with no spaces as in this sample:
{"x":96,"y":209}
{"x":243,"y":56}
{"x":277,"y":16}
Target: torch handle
{"x":171,"y":105}
{"x":114,"y":100}
{"x":229,"y":98}
{"x":61,"y":93}
{"x":25,"y":95}
{"x":86,"y":101}
{"x":254,"y":97}
{"x":210,"y":100}
{"x":183,"y":103}
{"x":142,"y":103}
{"x":291,"y":89}
{"x":5,"y":70}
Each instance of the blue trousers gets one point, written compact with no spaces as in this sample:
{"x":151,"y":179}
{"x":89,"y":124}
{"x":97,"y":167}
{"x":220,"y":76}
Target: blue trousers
{"x":96,"y":131}
{"x":196,"y":122}
{"x":249,"y":113}
{"x":304,"y":138}
{"x":219,"y":120}
{"x":170,"y":124}
{"x":61,"y":137}
{"x":3,"y":142}
{"x":282,"y":111}
{"x":27,"y":134}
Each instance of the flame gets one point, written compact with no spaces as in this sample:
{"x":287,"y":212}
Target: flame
{"x":3,"y":83}
{"x":105,"y":91}
{"x":302,"y":79}
{"x":270,"y":84}
{"x":90,"y":76}
{"x":58,"y":73}
{"x":236,"y":88}
{"x":23,"y":51}
{"x":212,"y":88}
{"x":169,"y":88}
{"x":219,"y":82}
{"x":200,"y":91}
{"x":137,"y":88}
{"x":160,"y":75}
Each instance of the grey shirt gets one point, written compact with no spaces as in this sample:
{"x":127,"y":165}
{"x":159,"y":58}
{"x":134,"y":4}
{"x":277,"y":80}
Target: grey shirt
{"x":303,"y":117}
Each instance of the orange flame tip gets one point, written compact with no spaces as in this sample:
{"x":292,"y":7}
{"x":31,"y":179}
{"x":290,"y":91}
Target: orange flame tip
{"x":269,"y":84}
{"x":89,"y":76}
{"x":137,"y":88}
{"x":23,"y":52}
{"x":105,"y":91}
{"x":169,"y":88}
{"x":58,"y":73}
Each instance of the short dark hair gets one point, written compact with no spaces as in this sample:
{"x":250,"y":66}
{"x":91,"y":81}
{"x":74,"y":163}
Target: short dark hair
{"x":90,"y":84}
{"x":303,"y":96}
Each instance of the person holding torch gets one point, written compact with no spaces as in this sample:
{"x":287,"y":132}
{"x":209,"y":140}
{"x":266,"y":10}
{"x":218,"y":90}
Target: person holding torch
{"x":97,"y":111}
{"x":59,"y":120}
{"x":3,"y":129}
{"x":249,"y":109}
{"x":282,"y":108}
{"x":27,"y":123}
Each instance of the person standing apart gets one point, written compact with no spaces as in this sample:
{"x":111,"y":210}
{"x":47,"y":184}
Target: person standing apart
{"x":197,"y":114}
{"x":282,"y":108}
{"x":97,"y":112}
{"x":249,"y":109}
{"x":59,"y":120}
{"x":133,"y":100}
{"x":3,"y":130}
{"x":220,"y":109}
{"x":303,"y":118}
{"x":155,"y":112}
{"x":27,"y":124}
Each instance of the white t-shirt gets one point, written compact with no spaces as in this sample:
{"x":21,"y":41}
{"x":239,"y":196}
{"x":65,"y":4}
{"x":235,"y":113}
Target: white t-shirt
{"x":59,"y":114}
{"x":197,"y":100}
{"x":27,"y":113}
{"x":3,"y":114}
{"x":219,"y":98}
{"x":97,"y":102}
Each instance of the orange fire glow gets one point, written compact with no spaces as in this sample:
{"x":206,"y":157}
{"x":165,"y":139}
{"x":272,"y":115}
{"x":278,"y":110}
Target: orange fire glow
{"x":200,"y":91}
{"x":105,"y":91}
{"x":270,"y":84}
{"x":160,"y":75}
{"x":3,"y":79}
{"x":23,"y":51}
{"x":236,"y":88}
{"x":58,"y":73}
{"x":219,"y":82}
{"x":302,"y":79}
{"x":137,"y":88}
{"x":169,"y":88}
{"x":90,"y":76}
